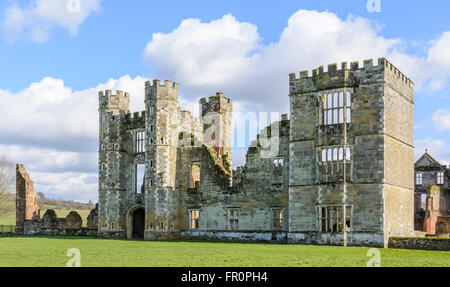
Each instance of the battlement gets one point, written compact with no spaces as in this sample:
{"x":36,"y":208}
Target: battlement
{"x":217,"y":103}
{"x":157,"y":90}
{"x":335,"y":76}
{"x":215,"y":99}
{"x":136,"y":116}
{"x":118,"y":101}
{"x":157,"y":83}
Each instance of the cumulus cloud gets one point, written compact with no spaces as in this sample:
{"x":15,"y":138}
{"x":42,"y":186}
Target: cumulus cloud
{"x":441,"y":119}
{"x":228,"y":55}
{"x":38,"y":19}
{"x":77,"y":186}
{"x":53,"y":130}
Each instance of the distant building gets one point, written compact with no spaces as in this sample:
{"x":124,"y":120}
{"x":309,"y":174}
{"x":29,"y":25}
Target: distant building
{"x":431,"y":206}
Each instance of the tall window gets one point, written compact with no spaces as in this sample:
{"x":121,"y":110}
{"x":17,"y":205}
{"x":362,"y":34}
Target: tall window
{"x":233,"y":218}
{"x":277,"y":218}
{"x":331,"y":218}
{"x":139,"y":177}
{"x":418,"y":178}
{"x":194,"y":215}
{"x":333,"y":107}
{"x":195,"y":175}
{"x":277,"y":171}
{"x":139,"y":142}
{"x":440,"y":178}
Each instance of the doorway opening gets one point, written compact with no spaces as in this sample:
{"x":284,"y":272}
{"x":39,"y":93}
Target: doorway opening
{"x":138,"y":223}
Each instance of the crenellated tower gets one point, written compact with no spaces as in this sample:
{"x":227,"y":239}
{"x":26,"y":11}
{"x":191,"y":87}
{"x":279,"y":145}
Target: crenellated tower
{"x":217,"y":115}
{"x":161,"y":104}
{"x":112,"y":160}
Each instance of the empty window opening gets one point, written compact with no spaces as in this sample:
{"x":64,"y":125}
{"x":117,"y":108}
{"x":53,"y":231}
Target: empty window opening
{"x":440,"y":178}
{"x":140,"y":178}
{"x":194,"y":216}
{"x":233,"y":218}
{"x":278,"y":171}
{"x":195,"y":175}
{"x":162,"y":140}
{"x":335,"y":154}
{"x":277,"y":218}
{"x":161,"y":225}
{"x":331,"y":218}
{"x":333,"y":108}
{"x":423,"y":201}
{"x":418,"y":178}
{"x":151,"y":128}
{"x":139,"y":142}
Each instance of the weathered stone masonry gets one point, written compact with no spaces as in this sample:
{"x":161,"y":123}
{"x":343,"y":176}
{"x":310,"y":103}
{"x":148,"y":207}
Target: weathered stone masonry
{"x":343,"y":161}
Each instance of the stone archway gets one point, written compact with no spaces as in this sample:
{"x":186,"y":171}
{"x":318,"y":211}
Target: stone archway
{"x":135,"y":217}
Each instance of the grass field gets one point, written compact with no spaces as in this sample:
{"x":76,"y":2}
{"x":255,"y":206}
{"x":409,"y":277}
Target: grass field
{"x":51,"y":251}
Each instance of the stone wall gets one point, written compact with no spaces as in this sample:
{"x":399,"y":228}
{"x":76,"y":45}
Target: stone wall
{"x":379,"y":171}
{"x":50,"y":224}
{"x":26,"y":199}
{"x":295,"y":171}
{"x":438,"y":244}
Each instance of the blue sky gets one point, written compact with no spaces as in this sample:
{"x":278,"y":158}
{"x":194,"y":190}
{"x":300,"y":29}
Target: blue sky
{"x":54,"y":61}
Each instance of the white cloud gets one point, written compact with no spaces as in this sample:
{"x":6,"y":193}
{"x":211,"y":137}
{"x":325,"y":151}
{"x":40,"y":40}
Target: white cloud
{"x":77,"y":186}
{"x":54,"y":131}
{"x":437,"y":148}
{"x":38,"y":19}
{"x":441,"y":119}
{"x":205,"y":53}
{"x":227,"y":55}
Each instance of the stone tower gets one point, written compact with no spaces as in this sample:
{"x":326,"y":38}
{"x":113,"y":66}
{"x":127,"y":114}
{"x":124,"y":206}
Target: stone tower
{"x":352,"y":153}
{"x":26,"y":200}
{"x":161,"y":104}
{"x":113,"y":160}
{"x":216,"y":115}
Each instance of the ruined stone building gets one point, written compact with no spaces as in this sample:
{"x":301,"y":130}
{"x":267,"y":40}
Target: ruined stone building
{"x":431,"y":196}
{"x":28,"y":217}
{"x":26,"y":199}
{"x":341,"y":168}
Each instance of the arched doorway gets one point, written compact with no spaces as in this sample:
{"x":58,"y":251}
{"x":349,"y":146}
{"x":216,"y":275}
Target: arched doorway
{"x":138,"y":223}
{"x":135,"y":218}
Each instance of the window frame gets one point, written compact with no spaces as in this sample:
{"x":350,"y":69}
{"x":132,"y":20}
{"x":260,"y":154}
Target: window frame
{"x":440,"y":178}
{"x":194,"y":222}
{"x":335,"y":106}
{"x":277,"y":222}
{"x":233,"y":218}
{"x":328,"y":216}
{"x":419,"y":178}
{"x":139,"y":142}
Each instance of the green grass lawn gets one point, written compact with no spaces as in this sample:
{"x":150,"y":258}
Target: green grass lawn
{"x":51,"y":251}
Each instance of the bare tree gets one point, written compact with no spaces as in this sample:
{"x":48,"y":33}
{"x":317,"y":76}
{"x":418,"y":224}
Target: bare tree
{"x":7,"y":179}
